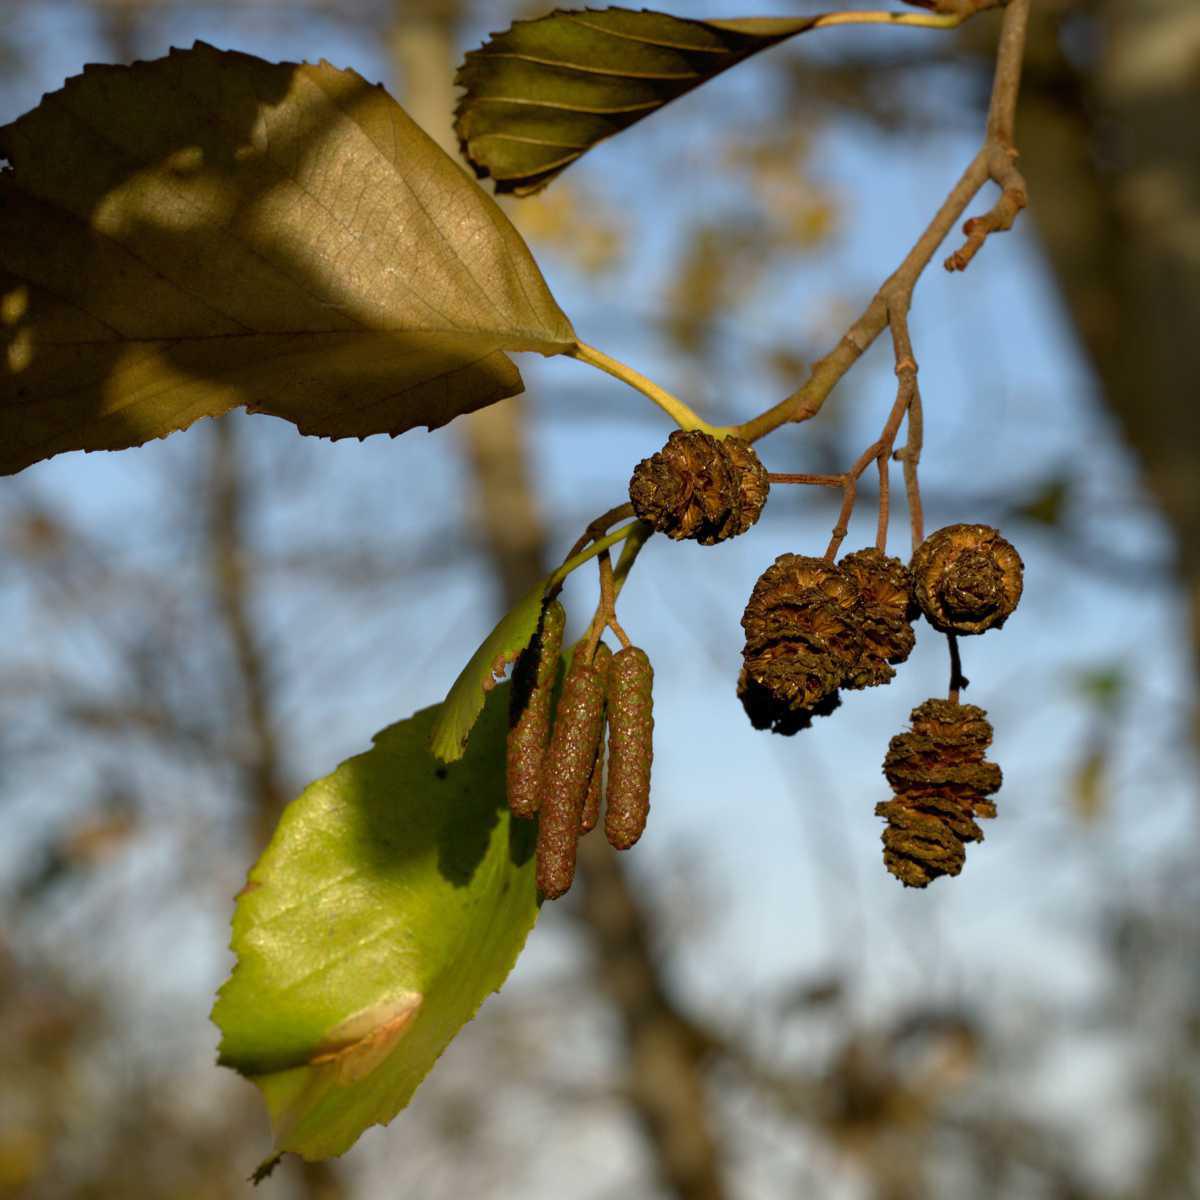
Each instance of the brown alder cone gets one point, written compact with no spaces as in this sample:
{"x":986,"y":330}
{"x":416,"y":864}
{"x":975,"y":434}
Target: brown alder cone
{"x":887,"y":609}
{"x":802,"y":639}
{"x":700,"y":487}
{"x":942,"y":783}
{"x":968,"y":578}
{"x":602,"y":660}
{"x":766,"y":712}
{"x":578,"y":724}
{"x":529,"y":711}
{"x":630,"y":746}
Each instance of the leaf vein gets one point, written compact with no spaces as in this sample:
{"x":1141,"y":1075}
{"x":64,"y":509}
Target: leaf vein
{"x":646,"y":41}
{"x":584,"y":69}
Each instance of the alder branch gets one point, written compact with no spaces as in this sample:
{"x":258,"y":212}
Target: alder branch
{"x":895,"y":294}
{"x":908,"y":393}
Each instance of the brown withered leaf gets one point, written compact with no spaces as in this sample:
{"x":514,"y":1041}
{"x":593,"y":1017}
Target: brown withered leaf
{"x":207,"y":230}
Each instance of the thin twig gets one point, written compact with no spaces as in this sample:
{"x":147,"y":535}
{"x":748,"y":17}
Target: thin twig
{"x":879,"y":452}
{"x":826,"y":372}
{"x":816,"y":480}
{"x":608,"y":599}
{"x":958,"y":681}
{"x":600,"y":526}
{"x":908,"y":394}
{"x":575,"y":561}
{"x":885,"y":485}
{"x":807,"y":401}
{"x":910,"y":457}
{"x":1001,"y":216}
{"x":1002,"y":153}
{"x":1006,"y":83}
{"x":849,"y":496}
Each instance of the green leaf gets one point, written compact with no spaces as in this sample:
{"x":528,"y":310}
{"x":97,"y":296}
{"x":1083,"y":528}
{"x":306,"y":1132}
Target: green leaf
{"x":464,"y":701}
{"x":393,"y":899}
{"x":208,"y":230}
{"x":546,"y":91}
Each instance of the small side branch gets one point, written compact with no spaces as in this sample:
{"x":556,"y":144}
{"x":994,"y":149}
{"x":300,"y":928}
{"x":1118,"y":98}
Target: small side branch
{"x":606,"y":610}
{"x":908,"y":397}
{"x":600,"y":526}
{"x":1001,"y":151}
{"x":1002,"y":215}
{"x":958,"y":681}
{"x":599,"y":546}
{"x":804,"y":478}
{"x":993,"y":161}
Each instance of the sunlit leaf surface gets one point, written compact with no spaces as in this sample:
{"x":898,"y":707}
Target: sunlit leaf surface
{"x":393,"y":899}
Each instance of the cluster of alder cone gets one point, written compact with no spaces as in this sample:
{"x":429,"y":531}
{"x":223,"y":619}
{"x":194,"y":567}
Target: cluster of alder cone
{"x":813,"y":628}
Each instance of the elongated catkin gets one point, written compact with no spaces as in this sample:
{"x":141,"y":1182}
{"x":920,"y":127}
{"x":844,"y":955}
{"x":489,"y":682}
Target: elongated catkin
{"x":630,"y":746}
{"x":529,"y":712}
{"x":591,"y":803}
{"x":567,"y":771}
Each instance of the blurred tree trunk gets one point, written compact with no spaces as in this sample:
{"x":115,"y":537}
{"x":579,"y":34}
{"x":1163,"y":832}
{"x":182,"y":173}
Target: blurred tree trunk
{"x":251,"y":702}
{"x":664,"y":1054}
{"x":1107,"y":132}
{"x":1108,"y":137}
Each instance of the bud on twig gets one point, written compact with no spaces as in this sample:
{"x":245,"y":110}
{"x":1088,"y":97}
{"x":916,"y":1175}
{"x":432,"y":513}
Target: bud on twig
{"x":700,"y":487}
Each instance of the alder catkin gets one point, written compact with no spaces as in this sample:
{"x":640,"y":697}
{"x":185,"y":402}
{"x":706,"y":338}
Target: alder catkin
{"x":529,"y":712}
{"x":567,"y":772}
{"x":630,"y":746}
{"x":591,"y":804}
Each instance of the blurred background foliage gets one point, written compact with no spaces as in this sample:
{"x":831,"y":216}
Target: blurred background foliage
{"x":747,"y":1007}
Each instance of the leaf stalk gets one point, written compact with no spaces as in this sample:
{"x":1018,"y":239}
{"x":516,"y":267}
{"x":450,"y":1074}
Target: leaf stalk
{"x":675,"y":408}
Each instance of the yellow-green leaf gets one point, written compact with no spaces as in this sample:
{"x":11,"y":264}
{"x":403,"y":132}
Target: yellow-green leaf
{"x":546,"y":91}
{"x":463,"y":703}
{"x":182,"y":236}
{"x":393,"y":899}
